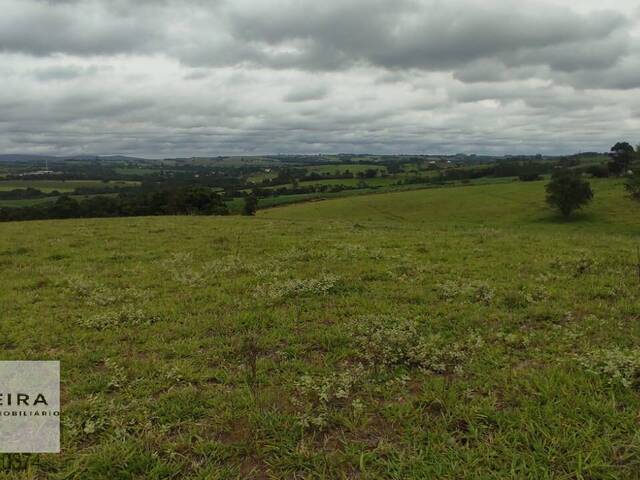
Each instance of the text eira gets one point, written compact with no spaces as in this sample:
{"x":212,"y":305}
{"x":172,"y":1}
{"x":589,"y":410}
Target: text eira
{"x":24,"y":399}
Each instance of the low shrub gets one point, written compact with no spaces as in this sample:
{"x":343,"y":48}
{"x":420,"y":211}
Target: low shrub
{"x":388,"y":342}
{"x":319,"y":397}
{"x":616,"y":366}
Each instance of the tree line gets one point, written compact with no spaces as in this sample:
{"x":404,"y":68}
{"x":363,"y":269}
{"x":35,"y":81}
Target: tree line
{"x":192,"y":200}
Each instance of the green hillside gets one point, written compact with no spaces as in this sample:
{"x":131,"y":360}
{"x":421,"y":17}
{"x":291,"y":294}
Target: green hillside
{"x":455,"y":332}
{"x":513,"y":205}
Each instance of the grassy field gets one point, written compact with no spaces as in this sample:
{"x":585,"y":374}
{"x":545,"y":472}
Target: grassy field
{"x":450,"y":333}
{"x":341,"y":167}
{"x":510,"y":203}
{"x":377,"y":186}
{"x":352,"y":182}
{"x":62,"y":185}
{"x":28,"y":202}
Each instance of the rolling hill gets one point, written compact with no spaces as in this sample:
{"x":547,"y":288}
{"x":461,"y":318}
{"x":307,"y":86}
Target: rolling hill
{"x":443,"y":333}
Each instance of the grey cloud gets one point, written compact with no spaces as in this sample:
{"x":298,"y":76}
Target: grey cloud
{"x":58,"y":73}
{"x":195,"y":77}
{"x":330,"y":35}
{"x":197,"y":74}
{"x":66,"y":72}
{"x":427,"y":35}
{"x":391,"y":77}
{"x":306,"y":93}
{"x":82,"y":29}
{"x":138,"y":125}
{"x":597,"y":54}
{"x":485,"y":70}
{"x":622,"y":75}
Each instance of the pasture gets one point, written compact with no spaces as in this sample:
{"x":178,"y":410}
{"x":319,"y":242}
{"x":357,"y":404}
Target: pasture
{"x":62,"y":186}
{"x":339,"y":168}
{"x":461,"y":332}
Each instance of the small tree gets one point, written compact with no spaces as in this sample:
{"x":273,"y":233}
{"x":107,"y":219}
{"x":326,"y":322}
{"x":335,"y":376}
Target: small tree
{"x":621,"y":156}
{"x":250,"y":205}
{"x":568,"y":191}
{"x":633,"y":186}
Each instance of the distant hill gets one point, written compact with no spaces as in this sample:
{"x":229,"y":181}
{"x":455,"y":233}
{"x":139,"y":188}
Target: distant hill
{"x":25,"y":158}
{"x":16,"y":157}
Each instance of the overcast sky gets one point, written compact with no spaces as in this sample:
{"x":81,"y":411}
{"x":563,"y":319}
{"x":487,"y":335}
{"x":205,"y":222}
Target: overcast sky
{"x":163,"y":78}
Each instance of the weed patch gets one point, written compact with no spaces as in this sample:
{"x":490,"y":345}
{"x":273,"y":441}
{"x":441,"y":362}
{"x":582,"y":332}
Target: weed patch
{"x":616,"y":366}
{"x":387,"y":342}
{"x":124,"y":317}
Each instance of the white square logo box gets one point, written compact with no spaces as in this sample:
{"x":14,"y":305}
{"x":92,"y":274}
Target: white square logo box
{"x":29,"y":407}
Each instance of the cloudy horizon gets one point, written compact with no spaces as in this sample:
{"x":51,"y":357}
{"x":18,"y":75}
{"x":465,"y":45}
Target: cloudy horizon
{"x":165,"y":78}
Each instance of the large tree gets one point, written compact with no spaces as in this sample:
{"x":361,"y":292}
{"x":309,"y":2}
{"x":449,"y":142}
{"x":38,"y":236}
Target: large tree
{"x":621,"y":157}
{"x":568,"y":191}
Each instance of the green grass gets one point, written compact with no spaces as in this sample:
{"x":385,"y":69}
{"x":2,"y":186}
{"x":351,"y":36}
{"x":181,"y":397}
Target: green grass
{"x":259,"y":177}
{"x":28,"y":202}
{"x":61,"y":185}
{"x":458,"y":332}
{"x":351,"y":182}
{"x":374,"y":182}
{"x":511,"y":203}
{"x":235,"y":205}
{"x":341,"y":167}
